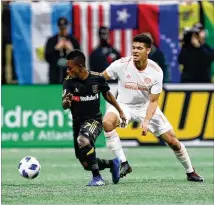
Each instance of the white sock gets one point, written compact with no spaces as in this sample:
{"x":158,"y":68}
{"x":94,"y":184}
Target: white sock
{"x":183,"y":157}
{"x":114,"y":144}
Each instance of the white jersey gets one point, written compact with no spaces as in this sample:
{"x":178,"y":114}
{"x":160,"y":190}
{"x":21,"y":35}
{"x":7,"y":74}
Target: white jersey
{"x":134,"y":86}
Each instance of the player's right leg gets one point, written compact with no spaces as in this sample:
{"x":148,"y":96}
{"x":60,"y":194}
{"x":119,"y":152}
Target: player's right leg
{"x":110,"y":121}
{"x":113,"y":165}
{"x":88,"y":152}
{"x":181,"y":154}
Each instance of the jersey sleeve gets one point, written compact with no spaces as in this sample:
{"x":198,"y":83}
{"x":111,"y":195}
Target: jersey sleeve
{"x":158,"y":84}
{"x":65,"y":89}
{"x":113,"y":69}
{"x":103,"y":87}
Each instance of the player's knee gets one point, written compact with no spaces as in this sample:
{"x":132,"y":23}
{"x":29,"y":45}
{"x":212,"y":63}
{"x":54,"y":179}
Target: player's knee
{"x":108,"y":126}
{"x":82,"y":141}
{"x":85,"y":166}
{"x":110,"y":122}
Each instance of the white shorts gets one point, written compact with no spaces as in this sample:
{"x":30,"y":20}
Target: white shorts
{"x":157,"y":125}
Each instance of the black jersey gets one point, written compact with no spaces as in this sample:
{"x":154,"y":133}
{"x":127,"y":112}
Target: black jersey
{"x":86,"y":95}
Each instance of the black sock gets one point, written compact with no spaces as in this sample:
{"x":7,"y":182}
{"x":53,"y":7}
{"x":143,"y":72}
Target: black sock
{"x":104,"y":163}
{"x":90,"y":155}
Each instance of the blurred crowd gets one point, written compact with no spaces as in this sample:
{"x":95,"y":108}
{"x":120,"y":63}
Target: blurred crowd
{"x":195,"y":57}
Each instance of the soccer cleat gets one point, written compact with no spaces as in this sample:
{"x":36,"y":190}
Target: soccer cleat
{"x":125,"y":169}
{"x":193,"y":176}
{"x":115,"y":171}
{"x":96,"y":181}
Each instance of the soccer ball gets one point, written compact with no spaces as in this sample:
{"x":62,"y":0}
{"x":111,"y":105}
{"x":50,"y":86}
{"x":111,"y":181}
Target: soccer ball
{"x":29,"y":167}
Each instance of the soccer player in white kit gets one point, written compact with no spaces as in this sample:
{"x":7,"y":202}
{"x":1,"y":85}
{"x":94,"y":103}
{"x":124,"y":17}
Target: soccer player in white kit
{"x":139,"y":87}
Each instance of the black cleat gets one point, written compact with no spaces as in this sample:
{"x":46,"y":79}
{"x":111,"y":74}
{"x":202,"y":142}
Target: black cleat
{"x":193,"y":176}
{"x":125,"y":169}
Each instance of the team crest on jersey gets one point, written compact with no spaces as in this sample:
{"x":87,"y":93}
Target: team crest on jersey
{"x":147,"y":80}
{"x":95,"y":88}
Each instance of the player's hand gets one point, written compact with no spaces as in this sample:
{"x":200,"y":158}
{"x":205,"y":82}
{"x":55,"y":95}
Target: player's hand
{"x":69,"y":97}
{"x":145,"y":127}
{"x":67,"y":100}
{"x":195,"y":41}
{"x":123,"y":118}
{"x":68,"y":45}
{"x":60,"y":45}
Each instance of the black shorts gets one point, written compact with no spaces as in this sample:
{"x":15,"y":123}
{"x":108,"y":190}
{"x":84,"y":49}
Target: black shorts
{"x":90,"y":128}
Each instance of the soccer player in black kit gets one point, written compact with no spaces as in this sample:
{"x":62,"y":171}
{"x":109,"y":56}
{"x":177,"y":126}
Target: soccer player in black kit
{"x":81,"y":94}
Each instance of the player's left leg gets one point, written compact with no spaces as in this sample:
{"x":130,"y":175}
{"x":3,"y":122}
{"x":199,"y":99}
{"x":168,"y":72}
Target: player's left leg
{"x":160,"y":126}
{"x":88,"y":152}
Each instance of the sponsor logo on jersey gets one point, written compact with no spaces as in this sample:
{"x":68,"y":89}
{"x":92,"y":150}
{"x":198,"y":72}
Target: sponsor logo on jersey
{"x":85,"y":98}
{"x":76,"y":98}
{"x":135,"y":86}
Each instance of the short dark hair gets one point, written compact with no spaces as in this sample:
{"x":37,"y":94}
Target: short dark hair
{"x":77,"y":56}
{"x":103,"y":30}
{"x":143,"y":38}
{"x":62,"y":22}
{"x":198,"y":26}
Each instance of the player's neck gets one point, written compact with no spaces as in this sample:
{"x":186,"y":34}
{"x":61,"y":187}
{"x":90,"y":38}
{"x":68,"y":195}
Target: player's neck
{"x":63,"y":33}
{"x":84,"y":75}
{"x":141,"y":65}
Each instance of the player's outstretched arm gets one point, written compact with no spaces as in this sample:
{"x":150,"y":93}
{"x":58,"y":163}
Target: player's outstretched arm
{"x":66,"y":101}
{"x":112,"y":100}
{"x":153,"y":104}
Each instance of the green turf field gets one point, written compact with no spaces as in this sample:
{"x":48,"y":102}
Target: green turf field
{"x":157,"y":178}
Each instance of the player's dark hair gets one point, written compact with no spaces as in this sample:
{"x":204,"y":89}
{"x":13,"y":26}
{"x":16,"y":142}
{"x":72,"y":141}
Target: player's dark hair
{"x":143,"y":38}
{"x":77,"y":56}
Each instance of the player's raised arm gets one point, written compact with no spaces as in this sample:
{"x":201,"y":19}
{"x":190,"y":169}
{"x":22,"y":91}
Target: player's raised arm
{"x":66,"y":102}
{"x":66,"y":97}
